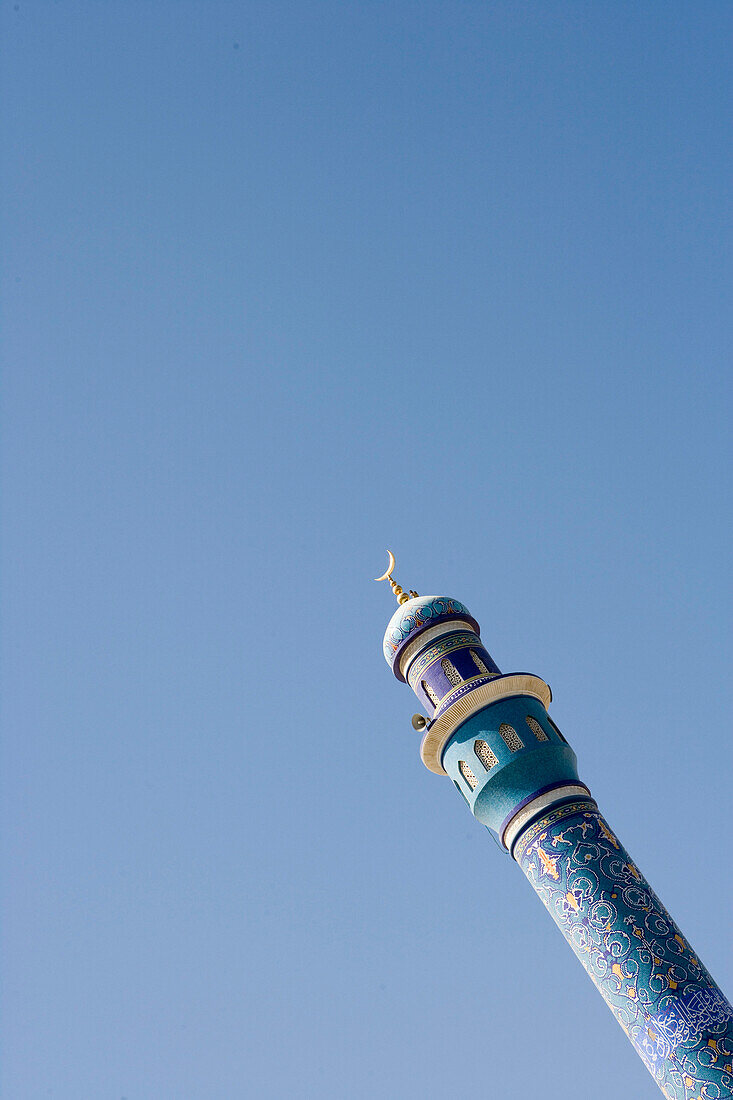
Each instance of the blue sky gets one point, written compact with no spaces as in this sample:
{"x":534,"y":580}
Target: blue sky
{"x":285,"y":284}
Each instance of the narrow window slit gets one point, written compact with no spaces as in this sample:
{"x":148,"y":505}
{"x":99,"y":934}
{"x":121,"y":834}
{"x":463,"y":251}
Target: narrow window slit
{"x":432,"y":696}
{"x":467,"y":774}
{"x":557,"y":731}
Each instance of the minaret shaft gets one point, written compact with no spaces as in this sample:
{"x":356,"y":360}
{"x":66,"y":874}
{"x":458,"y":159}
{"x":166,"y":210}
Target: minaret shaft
{"x":665,"y":1000}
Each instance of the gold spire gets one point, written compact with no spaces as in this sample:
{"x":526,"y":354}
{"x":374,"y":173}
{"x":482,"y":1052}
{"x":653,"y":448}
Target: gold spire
{"x":402,"y":596}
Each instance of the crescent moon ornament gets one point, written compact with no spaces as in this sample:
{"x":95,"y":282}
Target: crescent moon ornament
{"x":390,"y":568}
{"x":402,"y":596}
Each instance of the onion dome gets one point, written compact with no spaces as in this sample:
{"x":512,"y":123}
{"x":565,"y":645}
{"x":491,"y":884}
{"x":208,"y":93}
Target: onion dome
{"x":414,"y":617}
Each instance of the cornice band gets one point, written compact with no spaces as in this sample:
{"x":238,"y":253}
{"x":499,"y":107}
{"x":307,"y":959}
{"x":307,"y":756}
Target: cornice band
{"x":442,"y":729}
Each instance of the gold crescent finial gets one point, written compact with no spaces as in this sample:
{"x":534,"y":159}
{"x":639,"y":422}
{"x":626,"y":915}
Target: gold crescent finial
{"x":402,"y":596}
{"x":390,"y":568}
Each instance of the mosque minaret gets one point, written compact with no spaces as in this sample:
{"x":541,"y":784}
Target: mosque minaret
{"x":491,"y":733}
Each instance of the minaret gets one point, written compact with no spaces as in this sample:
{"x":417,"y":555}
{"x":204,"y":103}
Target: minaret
{"x":491,"y":733}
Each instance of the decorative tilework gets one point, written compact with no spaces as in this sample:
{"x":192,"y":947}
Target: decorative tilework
{"x":465,"y":687}
{"x":651,"y":979}
{"x":418,"y":613}
{"x":441,"y":648}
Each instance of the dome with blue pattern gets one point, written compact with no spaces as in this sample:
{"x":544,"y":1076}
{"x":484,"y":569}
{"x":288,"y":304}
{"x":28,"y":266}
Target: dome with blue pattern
{"x":416,"y":615}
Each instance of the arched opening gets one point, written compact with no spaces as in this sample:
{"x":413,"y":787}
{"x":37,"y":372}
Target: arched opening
{"x":485,"y":755}
{"x":454,"y":677}
{"x":536,"y":728}
{"x":480,"y":665}
{"x":511,"y":738}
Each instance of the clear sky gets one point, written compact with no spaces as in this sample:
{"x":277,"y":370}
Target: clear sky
{"x":286,"y":284}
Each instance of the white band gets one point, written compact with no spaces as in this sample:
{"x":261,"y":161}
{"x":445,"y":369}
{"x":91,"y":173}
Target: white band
{"x":429,"y":635}
{"x":537,"y":805}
